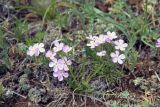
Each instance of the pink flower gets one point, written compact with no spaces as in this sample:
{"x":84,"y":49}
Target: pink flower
{"x":58,"y":46}
{"x":158,"y":43}
{"x":91,"y":37}
{"x":92,"y":44}
{"x":120,"y":45}
{"x":62,"y":65}
{"x":60,"y":74}
{"x":94,"y":41}
{"x":116,"y":57}
{"x":54,"y":64}
{"x":102,"y":53}
{"x":101,"y":39}
{"x":50,"y":54}
{"x":110,"y":36}
{"x":66,"y":49}
{"x":59,"y":64}
{"x":68,"y":62}
{"x":36,"y":49}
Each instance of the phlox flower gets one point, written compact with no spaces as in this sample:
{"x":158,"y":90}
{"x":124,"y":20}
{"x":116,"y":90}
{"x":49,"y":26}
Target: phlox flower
{"x":68,"y":62}
{"x":117,"y":57}
{"x":102,"y":39}
{"x":60,"y":67}
{"x":158,"y":43}
{"x":92,"y":44}
{"x":102,"y":53}
{"x":59,"y":64}
{"x":58,"y":46}
{"x":94,"y":41}
{"x":60,"y":74}
{"x":110,"y":36}
{"x":91,"y":37}
{"x":36,"y":49}
{"x":50,"y":54}
{"x":66,"y":49}
{"x":120,"y":45}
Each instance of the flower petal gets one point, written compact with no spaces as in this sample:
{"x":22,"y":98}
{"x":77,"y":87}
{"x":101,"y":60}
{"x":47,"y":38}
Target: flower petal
{"x":55,"y":74}
{"x":120,"y":61}
{"x":117,"y":53}
{"x":37,"y":53}
{"x":48,"y":54}
{"x":113,"y":55}
{"x":65,"y":74}
{"x":41,"y":45}
{"x":114,"y":60}
{"x":42,"y":50}
{"x":51,"y":64}
{"x":66,"y":68}
{"x":60,"y":66}
{"x":60,"y":77}
{"x":122,"y":56}
{"x":55,"y":69}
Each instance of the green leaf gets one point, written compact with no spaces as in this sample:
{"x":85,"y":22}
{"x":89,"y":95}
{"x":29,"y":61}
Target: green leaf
{"x":90,"y":53}
{"x":3,"y":42}
{"x":2,"y":89}
{"x":124,"y":94}
{"x":37,"y":39}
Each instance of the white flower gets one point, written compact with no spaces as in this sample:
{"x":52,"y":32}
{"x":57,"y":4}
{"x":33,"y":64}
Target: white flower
{"x":120,"y":45}
{"x":116,"y":57}
{"x":102,"y":53}
{"x":36,"y":49}
{"x":111,"y":35}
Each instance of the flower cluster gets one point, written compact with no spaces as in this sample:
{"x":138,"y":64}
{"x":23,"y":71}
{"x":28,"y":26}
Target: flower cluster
{"x":112,"y":38}
{"x":60,"y":63}
{"x":101,"y":39}
{"x":60,"y":66}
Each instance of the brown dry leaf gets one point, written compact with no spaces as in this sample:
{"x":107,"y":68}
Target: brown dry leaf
{"x":101,"y":6}
{"x":134,"y":2}
{"x":110,"y":1}
{"x":137,"y":4}
{"x":24,"y":2}
{"x":150,"y":97}
{"x":12,"y":51}
{"x":31,"y":17}
{"x":26,"y":104}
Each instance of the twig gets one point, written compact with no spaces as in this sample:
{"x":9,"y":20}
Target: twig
{"x":13,"y":92}
{"x":19,"y":95}
{"x":157,"y":76}
{"x":5,"y":29}
{"x":92,"y":98}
